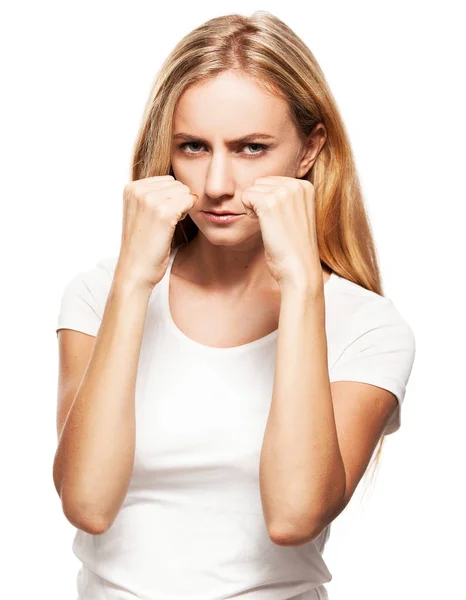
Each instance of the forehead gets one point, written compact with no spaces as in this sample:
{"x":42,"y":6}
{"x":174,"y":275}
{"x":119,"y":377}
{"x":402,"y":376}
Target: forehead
{"x":229,"y":106}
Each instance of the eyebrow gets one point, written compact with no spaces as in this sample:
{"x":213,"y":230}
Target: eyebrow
{"x":242,"y":140}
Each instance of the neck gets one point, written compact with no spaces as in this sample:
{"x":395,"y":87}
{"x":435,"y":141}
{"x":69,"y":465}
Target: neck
{"x":234,"y":269}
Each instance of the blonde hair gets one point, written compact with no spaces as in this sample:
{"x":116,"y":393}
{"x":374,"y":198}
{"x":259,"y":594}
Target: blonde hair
{"x":264,"y":49}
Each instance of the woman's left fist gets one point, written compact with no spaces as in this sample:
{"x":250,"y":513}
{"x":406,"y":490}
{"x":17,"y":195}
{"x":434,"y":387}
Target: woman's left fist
{"x":286,"y":211}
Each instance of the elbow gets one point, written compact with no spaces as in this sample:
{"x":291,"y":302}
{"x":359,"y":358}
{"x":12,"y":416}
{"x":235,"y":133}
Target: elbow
{"x":306,"y":529}
{"x":298,"y":536}
{"x":84,"y":517}
{"x":79,"y":514}
{"x":94,"y":525}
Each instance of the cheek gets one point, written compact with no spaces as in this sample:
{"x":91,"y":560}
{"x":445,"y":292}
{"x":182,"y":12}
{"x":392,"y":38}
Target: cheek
{"x":177,"y":168}
{"x":186,"y":174}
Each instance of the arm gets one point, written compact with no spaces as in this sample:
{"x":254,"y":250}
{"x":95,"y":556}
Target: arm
{"x":302,"y":475}
{"x":320,"y":437}
{"x":95,"y":454}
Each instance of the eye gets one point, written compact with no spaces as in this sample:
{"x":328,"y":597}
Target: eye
{"x":262,"y":148}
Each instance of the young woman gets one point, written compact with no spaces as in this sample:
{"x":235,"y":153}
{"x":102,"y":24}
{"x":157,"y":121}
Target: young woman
{"x":224,"y":381}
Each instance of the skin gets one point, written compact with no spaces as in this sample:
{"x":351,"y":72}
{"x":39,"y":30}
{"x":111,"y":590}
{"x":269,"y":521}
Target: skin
{"x":230,"y":257}
{"x":314,"y":428}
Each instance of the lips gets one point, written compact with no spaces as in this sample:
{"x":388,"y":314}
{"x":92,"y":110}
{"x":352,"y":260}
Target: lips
{"x":210,"y":212}
{"x":222,"y":218}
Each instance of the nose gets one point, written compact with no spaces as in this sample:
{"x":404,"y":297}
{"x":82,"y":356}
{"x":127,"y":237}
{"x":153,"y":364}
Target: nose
{"x":220,"y":181}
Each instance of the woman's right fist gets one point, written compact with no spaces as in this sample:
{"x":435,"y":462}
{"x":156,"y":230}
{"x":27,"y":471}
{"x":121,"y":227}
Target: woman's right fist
{"x":151,"y":209}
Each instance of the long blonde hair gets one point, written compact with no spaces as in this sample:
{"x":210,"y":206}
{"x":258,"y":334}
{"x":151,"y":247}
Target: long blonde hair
{"x":264,"y":49}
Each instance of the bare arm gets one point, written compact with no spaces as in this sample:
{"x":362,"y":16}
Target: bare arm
{"x":302,"y":474}
{"x":95,"y":454}
{"x":320,"y":436}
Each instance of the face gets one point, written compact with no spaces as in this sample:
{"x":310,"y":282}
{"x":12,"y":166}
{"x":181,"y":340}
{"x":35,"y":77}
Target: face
{"x":216,"y":167}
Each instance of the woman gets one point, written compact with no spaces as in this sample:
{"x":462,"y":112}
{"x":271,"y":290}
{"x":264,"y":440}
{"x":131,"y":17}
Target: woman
{"x":224,"y":381}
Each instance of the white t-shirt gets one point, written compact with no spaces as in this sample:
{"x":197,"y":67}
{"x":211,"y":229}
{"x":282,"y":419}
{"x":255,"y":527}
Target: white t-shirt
{"x":192,"y":525}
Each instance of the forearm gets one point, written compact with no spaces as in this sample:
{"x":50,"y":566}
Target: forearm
{"x":302,"y":476}
{"x":95,"y":454}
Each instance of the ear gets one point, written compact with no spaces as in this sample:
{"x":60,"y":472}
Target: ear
{"x":312,"y":146}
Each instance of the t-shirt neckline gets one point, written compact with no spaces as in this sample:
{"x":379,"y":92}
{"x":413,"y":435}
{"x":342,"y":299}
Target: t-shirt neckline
{"x":232,"y":350}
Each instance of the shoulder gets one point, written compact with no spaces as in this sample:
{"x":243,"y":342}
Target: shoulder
{"x":85,"y":295}
{"x":97,"y":277}
{"x":351,"y":296}
{"x":359,"y":310}
{"x":374,"y":342}
{"x":368,"y":330}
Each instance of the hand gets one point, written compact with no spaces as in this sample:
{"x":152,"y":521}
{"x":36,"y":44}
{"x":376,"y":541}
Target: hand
{"x":285,"y":208}
{"x":151,"y":209}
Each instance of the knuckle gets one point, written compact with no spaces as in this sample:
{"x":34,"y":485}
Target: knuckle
{"x":163,"y":212}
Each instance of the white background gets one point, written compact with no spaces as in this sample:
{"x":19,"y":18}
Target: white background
{"x":75,"y":79}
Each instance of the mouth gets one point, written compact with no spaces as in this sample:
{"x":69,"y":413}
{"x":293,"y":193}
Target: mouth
{"x":222,"y":217}
{"x":212,"y":212}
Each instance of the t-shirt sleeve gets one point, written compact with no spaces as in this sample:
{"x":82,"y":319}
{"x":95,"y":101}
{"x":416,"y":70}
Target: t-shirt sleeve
{"x":84,"y":298}
{"x":380,"y":351}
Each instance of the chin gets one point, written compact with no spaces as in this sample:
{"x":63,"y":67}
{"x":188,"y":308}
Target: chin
{"x":224,"y":238}
{"x":227,"y":236}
